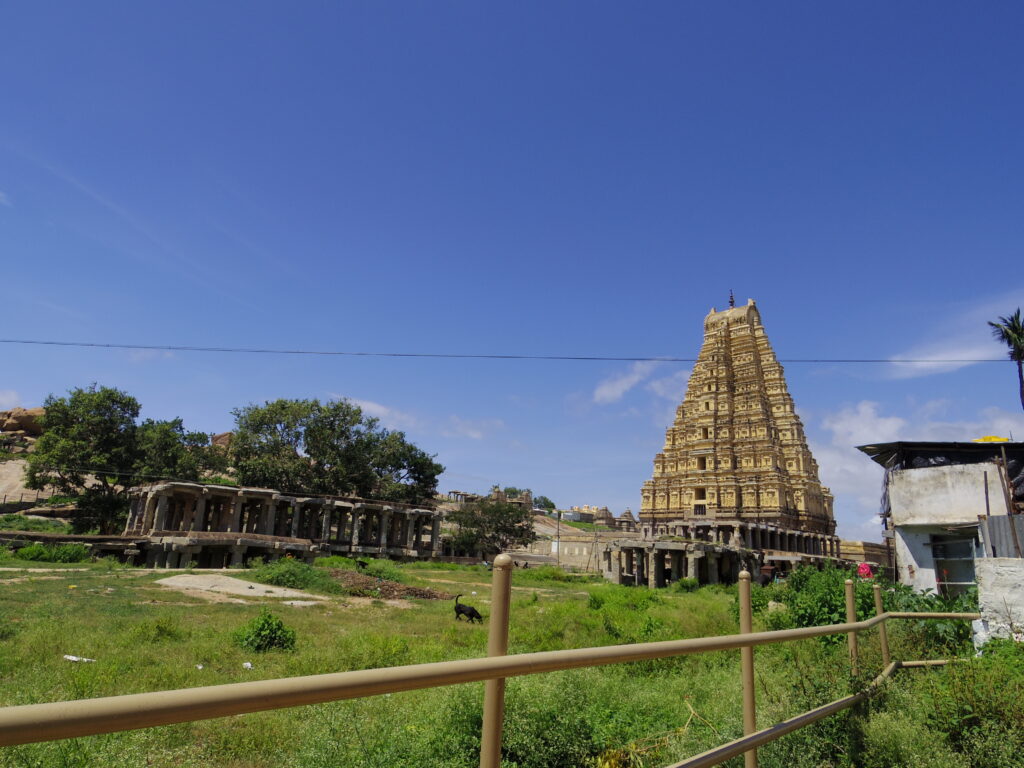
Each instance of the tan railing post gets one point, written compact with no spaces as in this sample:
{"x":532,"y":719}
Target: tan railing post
{"x":851,"y":617}
{"x":497,"y":645}
{"x":883,"y":634}
{"x":747,"y":667}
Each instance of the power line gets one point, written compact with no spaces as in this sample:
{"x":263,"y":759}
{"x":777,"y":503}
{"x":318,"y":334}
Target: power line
{"x":466,"y":356}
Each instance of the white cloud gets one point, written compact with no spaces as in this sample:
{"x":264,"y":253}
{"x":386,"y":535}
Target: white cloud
{"x":957,"y":333}
{"x":9,"y":399}
{"x":862,"y":424}
{"x":5,"y":200}
{"x":473,"y":429}
{"x":145,"y":355}
{"x":671,"y":387}
{"x":392,"y":418}
{"x":613,"y":388}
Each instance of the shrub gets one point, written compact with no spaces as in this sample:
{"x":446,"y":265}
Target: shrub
{"x":295,"y":574}
{"x":891,"y":740}
{"x":266,"y":633}
{"x":686,"y":584}
{"x":54,"y":553}
{"x":380,"y":568}
{"x":388,"y":570}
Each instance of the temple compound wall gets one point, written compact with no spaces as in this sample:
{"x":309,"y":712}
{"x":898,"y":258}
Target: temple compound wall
{"x":214,"y":526}
{"x":735,"y":484}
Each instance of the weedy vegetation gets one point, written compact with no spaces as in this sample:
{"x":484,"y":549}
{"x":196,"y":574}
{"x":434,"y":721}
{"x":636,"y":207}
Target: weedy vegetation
{"x":145,"y":637}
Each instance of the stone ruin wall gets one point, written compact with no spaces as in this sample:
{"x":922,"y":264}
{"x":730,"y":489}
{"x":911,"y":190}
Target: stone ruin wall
{"x":178,"y":524}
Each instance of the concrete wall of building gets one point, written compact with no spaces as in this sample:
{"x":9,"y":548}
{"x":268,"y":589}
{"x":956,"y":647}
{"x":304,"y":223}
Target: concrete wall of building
{"x":915,"y":563}
{"x":1000,"y":597}
{"x":579,"y":552}
{"x":936,"y":495}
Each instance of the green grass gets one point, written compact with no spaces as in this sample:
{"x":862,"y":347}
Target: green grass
{"x":145,"y":637}
{"x":587,"y":526}
{"x":21,"y":523}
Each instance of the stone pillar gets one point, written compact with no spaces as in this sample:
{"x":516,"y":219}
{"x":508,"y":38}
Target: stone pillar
{"x":325,"y":528}
{"x":712,"y":567}
{"x":187,"y":556}
{"x":383,"y":525}
{"x":161,"y":512}
{"x":269,"y":522}
{"x":676,"y":564}
{"x":311,"y":523}
{"x":658,"y":572}
{"x":357,"y":513}
{"x":234,"y":514}
{"x":435,"y":534}
{"x":296,"y":518}
{"x":199,"y":515}
{"x":693,"y":564}
{"x":616,"y":566}
{"x":343,"y":517}
{"x":238,"y":555}
{"x":133,"y":514}
{"x":410,"y":542}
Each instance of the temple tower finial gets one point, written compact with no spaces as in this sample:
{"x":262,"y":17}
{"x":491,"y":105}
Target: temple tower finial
{"x":732,"y":299}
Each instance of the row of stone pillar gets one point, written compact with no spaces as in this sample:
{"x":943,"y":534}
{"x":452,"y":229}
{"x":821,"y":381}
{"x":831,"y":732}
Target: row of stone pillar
{"x":656,"y":568}
{"x":758,"y":537}
{"x":358,"y":525}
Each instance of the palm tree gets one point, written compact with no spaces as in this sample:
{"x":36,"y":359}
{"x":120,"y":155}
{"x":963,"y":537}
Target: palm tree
{"x":1010,"y":331}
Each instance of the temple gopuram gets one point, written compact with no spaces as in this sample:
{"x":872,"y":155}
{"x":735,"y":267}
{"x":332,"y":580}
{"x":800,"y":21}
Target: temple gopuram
{"x":736,"y":485}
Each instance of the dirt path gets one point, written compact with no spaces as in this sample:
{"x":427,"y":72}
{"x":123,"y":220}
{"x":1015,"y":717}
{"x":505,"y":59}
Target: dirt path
{"x":226,"y":587}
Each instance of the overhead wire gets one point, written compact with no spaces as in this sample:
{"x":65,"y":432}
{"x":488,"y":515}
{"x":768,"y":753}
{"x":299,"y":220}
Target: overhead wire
{"x":470,"y":356}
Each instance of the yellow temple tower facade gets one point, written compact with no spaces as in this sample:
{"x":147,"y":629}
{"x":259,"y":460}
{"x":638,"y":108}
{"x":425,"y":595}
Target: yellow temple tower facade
{"x":736,"y":455}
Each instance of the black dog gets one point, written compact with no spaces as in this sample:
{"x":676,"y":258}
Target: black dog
{"x":471,"y":613}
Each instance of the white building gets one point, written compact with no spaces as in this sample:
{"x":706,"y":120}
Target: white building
{"x":953,"y":514}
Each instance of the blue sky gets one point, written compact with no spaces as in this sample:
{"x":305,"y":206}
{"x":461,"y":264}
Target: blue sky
{"x":531,"y":178}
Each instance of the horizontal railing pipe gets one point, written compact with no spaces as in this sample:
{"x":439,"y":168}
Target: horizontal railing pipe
{"x":739,"y":746}
{"x":85,"y":717}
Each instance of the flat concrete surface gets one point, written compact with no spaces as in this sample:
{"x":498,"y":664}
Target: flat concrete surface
{"x":228,"y":585}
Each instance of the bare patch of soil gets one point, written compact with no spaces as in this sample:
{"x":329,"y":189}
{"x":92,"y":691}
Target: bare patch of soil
{"x":367,"y":586}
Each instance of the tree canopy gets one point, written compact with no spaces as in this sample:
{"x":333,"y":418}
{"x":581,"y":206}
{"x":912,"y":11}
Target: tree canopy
{"x":544,"y":502}
{"x":329,"y":448}
{"x":93,"y":447}
{"x":1010,"y":331}
{"x":491,"y":527}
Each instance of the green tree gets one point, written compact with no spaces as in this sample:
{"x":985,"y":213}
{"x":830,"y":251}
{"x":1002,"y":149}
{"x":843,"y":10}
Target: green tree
{"x":92,"y":447}
{"x":492,"y":527}
{"x":331,"y":448}
{"x":1010,"y":331}
{"x":544,"y":502}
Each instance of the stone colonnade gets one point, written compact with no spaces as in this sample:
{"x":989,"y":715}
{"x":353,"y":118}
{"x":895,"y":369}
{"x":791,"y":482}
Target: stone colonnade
{"x":745,"y":535}
{"x":204,"y":514}
{"x":647,"y":564}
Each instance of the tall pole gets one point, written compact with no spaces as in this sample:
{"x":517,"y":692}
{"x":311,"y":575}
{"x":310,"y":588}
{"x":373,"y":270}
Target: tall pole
{"x":851,"y":617}
{"x":497,"y":645}
{"x":747,"y":668}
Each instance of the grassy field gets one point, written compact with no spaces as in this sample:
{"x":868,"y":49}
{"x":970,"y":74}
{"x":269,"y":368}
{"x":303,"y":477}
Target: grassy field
{"x":146,"y":637}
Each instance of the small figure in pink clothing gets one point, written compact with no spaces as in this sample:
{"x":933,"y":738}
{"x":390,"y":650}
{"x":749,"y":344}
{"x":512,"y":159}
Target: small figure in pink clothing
{"x":864,"y":571}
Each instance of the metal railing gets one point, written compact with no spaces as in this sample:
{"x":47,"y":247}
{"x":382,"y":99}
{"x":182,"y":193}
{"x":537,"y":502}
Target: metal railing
{"x":86,"y":717}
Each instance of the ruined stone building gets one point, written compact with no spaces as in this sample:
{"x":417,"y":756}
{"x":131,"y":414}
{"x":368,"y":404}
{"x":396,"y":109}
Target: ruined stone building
{"x":178,"y":524}
{"x":735,"y":484}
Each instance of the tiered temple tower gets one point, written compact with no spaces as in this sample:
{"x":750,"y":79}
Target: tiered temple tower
{"x":736,"y":454}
